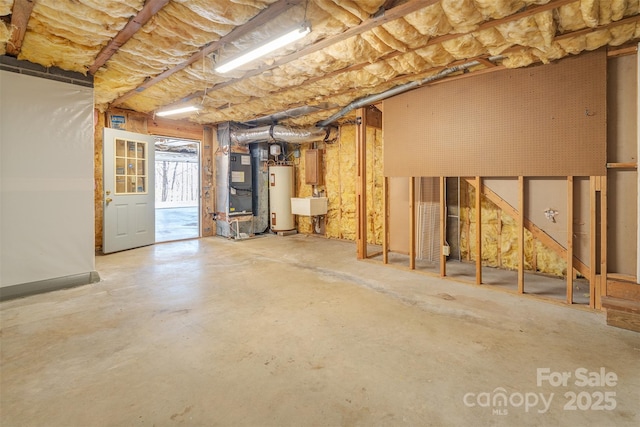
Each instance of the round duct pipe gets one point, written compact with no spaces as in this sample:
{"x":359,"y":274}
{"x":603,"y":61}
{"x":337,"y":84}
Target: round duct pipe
{"x":279,"y":133}
{"x":371,"y":99}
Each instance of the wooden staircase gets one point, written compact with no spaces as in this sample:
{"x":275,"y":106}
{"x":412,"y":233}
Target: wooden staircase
{"x":622,"y":303}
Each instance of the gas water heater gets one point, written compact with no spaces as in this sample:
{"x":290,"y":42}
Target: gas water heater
{"x":281,"y":181}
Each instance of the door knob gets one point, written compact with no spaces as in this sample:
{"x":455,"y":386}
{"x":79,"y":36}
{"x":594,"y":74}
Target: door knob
{"x":109,"y":200}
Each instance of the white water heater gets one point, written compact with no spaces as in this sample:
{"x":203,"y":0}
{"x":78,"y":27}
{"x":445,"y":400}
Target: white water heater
{"x":281,"y":182}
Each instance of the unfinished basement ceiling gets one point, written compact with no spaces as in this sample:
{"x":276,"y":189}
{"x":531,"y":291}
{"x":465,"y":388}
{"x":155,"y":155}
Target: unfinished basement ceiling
{"x":149,"y":55}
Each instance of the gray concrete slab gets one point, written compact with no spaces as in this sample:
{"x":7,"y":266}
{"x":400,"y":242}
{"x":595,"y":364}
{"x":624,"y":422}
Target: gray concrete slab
{"x":293,"y":331}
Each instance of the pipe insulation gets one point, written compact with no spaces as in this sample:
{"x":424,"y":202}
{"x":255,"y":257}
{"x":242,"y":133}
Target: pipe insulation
{"x":372,"y":99}
{"x":279,"y":133}
{"x":323,"y":131}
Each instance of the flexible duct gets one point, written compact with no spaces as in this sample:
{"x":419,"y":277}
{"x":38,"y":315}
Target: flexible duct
{"x":372,"y":99}
{"x":281,"y":133}
{"x":322,"y":132}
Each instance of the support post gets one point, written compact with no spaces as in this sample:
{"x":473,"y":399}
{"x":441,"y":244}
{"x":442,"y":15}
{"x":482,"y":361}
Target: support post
{"x":361,"y":183}
{"x":521,"y":234}
{"x":478,"y":231}
{"x":569,"y":240}
{"x":412,"y":223}
{"x":443,"y":227}
{"x":208,"y":181}
{"x":603,"y":242}
{"x":385,"y":221}
{"x":592,"y":241}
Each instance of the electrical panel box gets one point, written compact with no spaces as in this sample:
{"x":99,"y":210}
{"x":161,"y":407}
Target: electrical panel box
{"x":240,"y":184}
{"x":313,"y":167}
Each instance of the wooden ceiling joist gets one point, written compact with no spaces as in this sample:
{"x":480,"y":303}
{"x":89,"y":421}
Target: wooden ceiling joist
{"x":586,"y":31}
{"x":435,"y":40}
{"x":626,"y":49}
{"x":150,"y":8}
{"x":492,"y":23}
{"x":326,"y":100}
{"x":577,"y":33}
{"x":20,"y":15}
{"x":390,"y":11}
{"x":486,"y":62}
{"x":260,"y":19}
{"x":390,"y":15}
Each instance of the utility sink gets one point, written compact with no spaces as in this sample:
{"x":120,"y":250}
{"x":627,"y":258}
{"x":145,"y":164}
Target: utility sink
{"x":309,"y":206}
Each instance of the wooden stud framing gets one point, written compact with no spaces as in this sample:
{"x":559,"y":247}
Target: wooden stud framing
{"x":443,"y":227}
{"x":412,"y":223}
{"x":478,"y":231}
{"x":385,"y":220}
{"x":20,"y":15}
{"x":569,"y":239}
{"x":592,"y":240}
{"x":467,"y":228}
{"x":603,"y":242}
{"x":208,"y":181}
{"x":536,"y":231}
{"x":173,"y":128}
{"x":499,"y":243}
{"x":521,"y":234}
{"x":361,"y":183}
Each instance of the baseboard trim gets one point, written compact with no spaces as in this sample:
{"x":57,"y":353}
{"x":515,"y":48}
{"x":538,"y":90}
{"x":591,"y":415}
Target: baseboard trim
{"x":48,"y":285}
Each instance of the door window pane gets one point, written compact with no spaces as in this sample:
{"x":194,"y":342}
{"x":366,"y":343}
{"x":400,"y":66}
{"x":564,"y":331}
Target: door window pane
{"x":120,"y":151}
{"x":130,"y":162}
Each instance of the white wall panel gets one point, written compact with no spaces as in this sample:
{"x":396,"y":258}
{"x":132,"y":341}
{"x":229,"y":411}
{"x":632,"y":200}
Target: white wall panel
{"x":46,"y":179}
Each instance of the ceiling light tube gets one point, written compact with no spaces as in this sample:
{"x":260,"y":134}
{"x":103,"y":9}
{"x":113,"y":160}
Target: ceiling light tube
{"x":266,"y":48}
{"x":180,"y":110}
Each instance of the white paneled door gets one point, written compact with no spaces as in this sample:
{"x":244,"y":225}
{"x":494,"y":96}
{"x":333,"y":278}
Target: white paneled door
{"x":129,"y":190}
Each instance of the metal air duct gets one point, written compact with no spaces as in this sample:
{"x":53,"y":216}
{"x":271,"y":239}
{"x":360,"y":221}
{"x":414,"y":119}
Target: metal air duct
{"x":372,"y":99}
{"x":279,"y":133}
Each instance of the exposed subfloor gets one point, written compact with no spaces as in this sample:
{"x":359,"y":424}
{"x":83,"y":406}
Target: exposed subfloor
{"x":294,"y":331}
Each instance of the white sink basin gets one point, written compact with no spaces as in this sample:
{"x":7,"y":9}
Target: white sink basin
{"x":309,"y":206}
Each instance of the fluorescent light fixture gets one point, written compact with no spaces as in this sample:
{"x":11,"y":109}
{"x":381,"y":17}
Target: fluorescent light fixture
{"x":268,"y":47}
{"x":180,"y":110}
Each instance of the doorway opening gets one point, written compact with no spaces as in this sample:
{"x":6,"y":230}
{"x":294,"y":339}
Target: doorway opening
{"x":177,"y":200}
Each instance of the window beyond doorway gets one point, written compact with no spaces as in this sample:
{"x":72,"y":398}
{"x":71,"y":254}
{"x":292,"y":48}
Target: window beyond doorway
{"x":177,"y":170}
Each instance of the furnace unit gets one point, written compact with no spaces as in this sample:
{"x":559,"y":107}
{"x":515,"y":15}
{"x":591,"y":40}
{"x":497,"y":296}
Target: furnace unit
{"x":240,"y":184}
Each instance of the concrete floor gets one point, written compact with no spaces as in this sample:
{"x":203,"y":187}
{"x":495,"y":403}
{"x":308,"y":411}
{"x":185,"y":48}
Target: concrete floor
{"x":293,"y":331}
{"x":543,"y":286}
